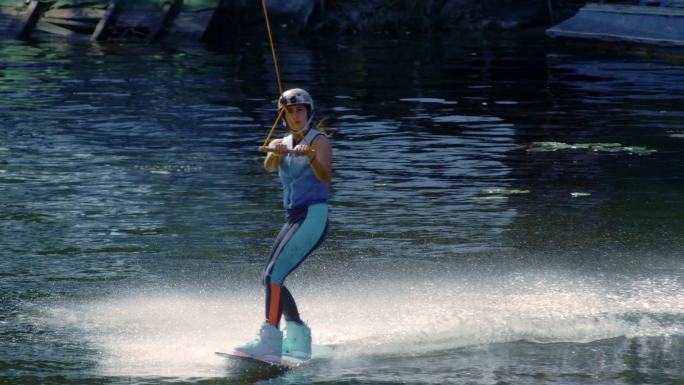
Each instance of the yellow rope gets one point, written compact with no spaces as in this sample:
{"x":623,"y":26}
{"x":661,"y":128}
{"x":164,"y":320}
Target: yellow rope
{"x":268,"y":137}
{"x":273,"y":52}
{"x":277,"y":71}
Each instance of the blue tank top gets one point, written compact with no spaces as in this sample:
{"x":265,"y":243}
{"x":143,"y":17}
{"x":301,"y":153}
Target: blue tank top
{"x":300,"y":185}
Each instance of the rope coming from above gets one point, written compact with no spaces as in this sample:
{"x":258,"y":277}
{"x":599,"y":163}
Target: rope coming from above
{"x":273,"y":52}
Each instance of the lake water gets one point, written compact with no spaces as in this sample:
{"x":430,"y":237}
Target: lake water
{"x":504,"y":211}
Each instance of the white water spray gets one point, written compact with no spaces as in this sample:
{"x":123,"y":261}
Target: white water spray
{"x":175,"y":333}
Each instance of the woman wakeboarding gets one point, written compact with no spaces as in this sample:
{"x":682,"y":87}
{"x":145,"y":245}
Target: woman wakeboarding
{"x":303,"y":160}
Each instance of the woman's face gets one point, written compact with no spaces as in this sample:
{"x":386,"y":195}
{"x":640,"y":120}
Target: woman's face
{"x":296,"y":115}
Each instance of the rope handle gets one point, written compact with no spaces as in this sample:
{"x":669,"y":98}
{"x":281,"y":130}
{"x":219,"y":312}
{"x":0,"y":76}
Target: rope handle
{"x":271,"y":149}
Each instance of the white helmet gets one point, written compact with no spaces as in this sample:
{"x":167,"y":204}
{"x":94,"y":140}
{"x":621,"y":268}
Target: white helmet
{"x":296,"y":96}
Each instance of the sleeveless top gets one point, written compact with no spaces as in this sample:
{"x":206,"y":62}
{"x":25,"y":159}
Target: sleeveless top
{"x":301,"y":188}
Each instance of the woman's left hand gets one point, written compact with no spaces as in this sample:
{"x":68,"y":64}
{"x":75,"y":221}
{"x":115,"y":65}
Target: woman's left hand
{"x":303,"y":149}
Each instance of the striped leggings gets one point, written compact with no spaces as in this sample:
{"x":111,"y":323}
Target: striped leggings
{"x":304,"y":231}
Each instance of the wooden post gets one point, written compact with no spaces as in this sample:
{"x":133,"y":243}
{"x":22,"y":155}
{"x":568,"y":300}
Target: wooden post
{"x":30,"y":20}
{"x":107,"y":20}
{"x":169,"y":10}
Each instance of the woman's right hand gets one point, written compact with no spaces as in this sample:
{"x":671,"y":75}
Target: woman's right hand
{"x":273,"y":158}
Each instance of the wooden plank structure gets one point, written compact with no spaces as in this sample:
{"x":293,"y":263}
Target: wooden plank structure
{"x":70,"y":22}
{"x":149,"y":22}
{"x":140,"y":20}
{"x":215,"y":21}
{"x":644,"y":23}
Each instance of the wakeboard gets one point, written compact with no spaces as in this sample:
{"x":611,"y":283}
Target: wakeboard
{"x":318,"y":352}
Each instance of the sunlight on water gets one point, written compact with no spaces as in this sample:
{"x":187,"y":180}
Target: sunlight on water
{"x":155,"y":334}
{"x":174,"y":333}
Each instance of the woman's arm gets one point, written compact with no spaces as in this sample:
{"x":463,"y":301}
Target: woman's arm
{"x":272,"y":160}
{"x":320,"y":159}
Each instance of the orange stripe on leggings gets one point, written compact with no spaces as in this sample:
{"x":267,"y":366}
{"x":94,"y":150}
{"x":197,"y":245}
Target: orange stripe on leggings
{"x":273,"y":307}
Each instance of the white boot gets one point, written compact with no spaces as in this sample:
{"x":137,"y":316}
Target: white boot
{"x":267,"y":346}
{"x":297,"y":342}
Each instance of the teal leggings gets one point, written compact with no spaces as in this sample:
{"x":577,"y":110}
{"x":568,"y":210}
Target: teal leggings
{"x":303,"y":233}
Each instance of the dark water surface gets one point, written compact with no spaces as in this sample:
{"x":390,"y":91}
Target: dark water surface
{"x":505,"y":211}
